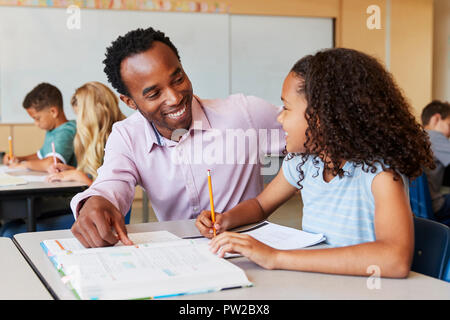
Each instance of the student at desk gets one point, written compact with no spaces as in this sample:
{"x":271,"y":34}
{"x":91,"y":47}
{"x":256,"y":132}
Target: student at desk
{"x":163,"y":145}
{"x":45,"y":105}
{"x":96,"y":107}
{"x":352,"y":143}
{"x":436,"y":120}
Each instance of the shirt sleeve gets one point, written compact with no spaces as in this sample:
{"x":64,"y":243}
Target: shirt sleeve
{"x":117,"y":177}
{"x":290,"y":171}
{"x":63,"y":145}
{"x":263,"y":116}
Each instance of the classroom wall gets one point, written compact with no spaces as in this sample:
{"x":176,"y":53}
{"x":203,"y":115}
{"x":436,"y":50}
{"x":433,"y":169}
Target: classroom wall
{"x":404,"y":43}
{"x":441,"y":50}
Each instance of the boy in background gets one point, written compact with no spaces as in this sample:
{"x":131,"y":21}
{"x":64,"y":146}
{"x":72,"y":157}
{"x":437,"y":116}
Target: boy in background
{"x":45,"y":105}
{"x":436,"y":121}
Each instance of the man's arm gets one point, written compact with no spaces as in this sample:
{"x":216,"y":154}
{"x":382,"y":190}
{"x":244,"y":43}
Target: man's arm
{"x":99,"y":211}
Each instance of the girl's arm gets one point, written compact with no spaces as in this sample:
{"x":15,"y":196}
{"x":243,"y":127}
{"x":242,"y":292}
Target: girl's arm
{"x":253,"y":210}
{"x":70,"y":175}
{"x":391,"y":253}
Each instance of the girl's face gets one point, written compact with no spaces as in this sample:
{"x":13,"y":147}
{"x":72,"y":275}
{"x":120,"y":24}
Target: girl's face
{"x":292,"y":118}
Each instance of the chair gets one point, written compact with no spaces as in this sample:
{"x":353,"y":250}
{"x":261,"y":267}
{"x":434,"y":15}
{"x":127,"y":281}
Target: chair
{"x":432,"y":249}
{"x":420,"y":200}
{"x":127,"y":217}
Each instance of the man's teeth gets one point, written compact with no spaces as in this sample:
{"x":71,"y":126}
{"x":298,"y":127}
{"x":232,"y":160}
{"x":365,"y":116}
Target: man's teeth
{"x":177,"y":114}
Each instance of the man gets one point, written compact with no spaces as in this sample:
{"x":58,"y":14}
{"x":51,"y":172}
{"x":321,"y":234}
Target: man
{"x":436,"y":120}
{"x":168,"y":146}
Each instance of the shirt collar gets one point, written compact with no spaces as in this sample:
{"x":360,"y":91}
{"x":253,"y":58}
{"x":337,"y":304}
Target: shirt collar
{"x":199,"y":122}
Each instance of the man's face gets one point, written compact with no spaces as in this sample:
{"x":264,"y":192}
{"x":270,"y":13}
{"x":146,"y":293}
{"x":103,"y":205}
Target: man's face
{"x":159,"y":88}
{"x":443,"y":125}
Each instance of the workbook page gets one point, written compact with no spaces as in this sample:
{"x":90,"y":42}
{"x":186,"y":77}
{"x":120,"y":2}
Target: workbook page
{"x":72,"y":244}
{"x":149,"y":270}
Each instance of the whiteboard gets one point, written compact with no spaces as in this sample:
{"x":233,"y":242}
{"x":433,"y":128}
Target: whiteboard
{"x":221,"y":53}
{"x":265,"y":48}
{"x":36,"y":46}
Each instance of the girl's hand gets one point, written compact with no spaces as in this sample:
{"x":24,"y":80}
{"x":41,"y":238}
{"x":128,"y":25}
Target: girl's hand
{"x":245,"y":245}
{"x":68,"y":175}
{"x":17,"y":165}
{"x":205,"y":226}
{"x":59,"y":167}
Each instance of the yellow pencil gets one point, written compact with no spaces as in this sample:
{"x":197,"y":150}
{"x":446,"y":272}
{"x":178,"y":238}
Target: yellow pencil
{"x":10,"y":147}
{"x":211,"y":202}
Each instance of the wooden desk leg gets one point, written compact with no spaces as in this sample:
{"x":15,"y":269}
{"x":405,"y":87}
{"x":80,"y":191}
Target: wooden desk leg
{"x":144,"y":207}
{"x":31,"y":219}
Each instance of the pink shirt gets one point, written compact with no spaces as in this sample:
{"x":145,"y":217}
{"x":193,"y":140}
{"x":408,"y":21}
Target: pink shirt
{"x":229,"y":136}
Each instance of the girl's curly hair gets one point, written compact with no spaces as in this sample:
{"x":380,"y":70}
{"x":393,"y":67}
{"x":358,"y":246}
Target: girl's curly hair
{"x":356,"y":112}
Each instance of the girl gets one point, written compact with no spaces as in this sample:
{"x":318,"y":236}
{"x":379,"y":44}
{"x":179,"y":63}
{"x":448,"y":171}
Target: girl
{"x":97,"y":109}
{"x":352,"y":144}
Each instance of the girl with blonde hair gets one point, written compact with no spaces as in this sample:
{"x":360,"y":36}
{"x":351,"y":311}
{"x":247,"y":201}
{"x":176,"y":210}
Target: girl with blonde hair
{"x":96,"y":107}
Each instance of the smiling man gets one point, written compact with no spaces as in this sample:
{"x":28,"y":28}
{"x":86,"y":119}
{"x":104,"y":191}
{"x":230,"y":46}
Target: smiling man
{"x":170,"y":143}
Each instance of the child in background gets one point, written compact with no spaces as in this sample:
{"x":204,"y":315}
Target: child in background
{"x":97,"y":109}
{"x":45,"y":105}
{"x":436,"y":121}
{"x":352,"y":143}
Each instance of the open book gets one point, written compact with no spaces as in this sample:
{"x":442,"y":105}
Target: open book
{"x":163,"y":266}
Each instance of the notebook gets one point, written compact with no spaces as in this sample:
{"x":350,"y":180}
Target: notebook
{"x":276,"y":236}
{"x":8,"y":180}
{"x":159,"y":265}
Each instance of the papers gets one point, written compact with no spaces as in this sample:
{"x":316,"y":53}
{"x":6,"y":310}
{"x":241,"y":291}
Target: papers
{"x":154,"y":269}
{"x":285,"y":238}
{"x":7,"y":180}
{"x":23,"y":174}
{"x":277,"y":236}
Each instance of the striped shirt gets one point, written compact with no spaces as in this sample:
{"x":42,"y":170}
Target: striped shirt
{"x":342,"y":209}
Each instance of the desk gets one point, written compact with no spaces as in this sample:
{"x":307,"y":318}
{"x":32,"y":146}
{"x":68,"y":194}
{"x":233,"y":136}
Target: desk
{"x":268,"y":284}
{"x":18,"y":281}
{"x":21,"y":198}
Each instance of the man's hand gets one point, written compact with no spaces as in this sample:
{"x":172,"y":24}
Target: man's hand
{"x":100,"y":224}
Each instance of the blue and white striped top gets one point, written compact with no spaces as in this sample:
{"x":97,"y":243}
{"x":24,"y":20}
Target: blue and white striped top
{"x":342,"y":209}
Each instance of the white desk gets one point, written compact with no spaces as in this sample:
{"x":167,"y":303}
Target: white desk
{"x":268,"y":284}
{"x":21,"y":198}
{"x":17,"y":279}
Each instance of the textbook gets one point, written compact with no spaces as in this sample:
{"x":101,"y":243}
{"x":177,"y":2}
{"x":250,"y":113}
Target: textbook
{"x":163,"y":266}
{"x":8,"y":180}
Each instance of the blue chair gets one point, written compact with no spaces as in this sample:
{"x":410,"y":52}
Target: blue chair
{"x":420,"y":200}
{"x":127,"y":217}
{"x":432,"y":249}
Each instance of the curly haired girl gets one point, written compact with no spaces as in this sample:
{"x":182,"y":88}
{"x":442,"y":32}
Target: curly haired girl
{"x":353,"y":143}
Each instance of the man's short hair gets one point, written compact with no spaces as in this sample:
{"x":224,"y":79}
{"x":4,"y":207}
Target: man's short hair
{"x":435,"y":106}
{"x":134,"y":42}
{"x":44,"y":95}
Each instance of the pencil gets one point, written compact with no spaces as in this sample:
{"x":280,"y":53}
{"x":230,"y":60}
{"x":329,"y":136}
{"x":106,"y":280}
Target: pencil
{"x":211,"y":202}
{"x":10,"y":147}
{"x":54,"y":153}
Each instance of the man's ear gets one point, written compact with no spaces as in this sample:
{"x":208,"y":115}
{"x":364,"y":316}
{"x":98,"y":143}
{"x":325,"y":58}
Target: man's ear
{"x":128,"y":101}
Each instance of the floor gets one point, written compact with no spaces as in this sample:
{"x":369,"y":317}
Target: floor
{"x":289,"y":214}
